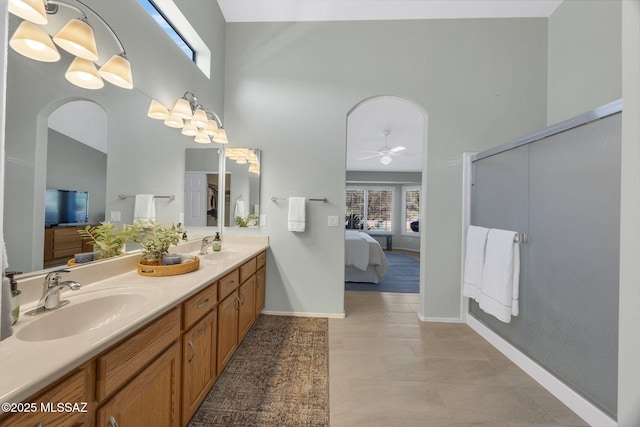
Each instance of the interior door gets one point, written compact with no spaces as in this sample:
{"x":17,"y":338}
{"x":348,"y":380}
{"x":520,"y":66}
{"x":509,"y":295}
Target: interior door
{"x":195,"y":196}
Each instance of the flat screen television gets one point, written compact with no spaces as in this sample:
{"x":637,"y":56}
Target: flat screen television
{"x":66,"y":207}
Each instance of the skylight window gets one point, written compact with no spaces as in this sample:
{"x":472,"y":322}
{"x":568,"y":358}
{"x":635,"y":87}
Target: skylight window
{"x":180,"y":30}
{"x":153,"y":10}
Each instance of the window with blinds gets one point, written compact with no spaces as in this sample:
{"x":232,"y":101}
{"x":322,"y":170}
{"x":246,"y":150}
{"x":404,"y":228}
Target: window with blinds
{"x":410,"y":210}
{"x":369,"y":208}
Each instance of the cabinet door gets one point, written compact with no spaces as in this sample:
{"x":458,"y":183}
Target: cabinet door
{"x":198,"y":363}
{"x":227,"y":329}
{"x":247,"y":309}
{"x":150,"y":399}
{"x":261,"y":281}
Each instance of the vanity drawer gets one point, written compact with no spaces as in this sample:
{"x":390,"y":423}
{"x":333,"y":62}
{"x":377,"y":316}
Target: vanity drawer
{"x":261,"y":259}
{"x":247,"y":270}
{"x":228,"y":284}
{"x":118,"y":365}
{"x":199,"y":305}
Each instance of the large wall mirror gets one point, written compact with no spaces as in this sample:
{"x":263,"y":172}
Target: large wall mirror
{"x":222,"y":187}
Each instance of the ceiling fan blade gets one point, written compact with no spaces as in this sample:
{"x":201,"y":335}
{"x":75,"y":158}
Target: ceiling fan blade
{"x":369,"y":157}
{"x":398,"y":148}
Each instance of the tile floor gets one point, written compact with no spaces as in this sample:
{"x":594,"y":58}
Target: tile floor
{"x":386,"y":368}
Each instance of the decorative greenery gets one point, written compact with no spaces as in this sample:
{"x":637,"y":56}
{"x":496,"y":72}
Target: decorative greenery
{"x":154,"y":239}
{"x":248,"y":221}
{"x":107,"y":237}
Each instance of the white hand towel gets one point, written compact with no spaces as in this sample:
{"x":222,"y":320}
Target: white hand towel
{"x":296,"y":214}
{"x":144,"y":209}
{"x":240,"y":209}
{"x":474,"y":261}
{"x":501,"y":275}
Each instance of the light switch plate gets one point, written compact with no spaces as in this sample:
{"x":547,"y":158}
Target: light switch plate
{"x":263,"y":220}
{"x":333,"y":221}
{"x":114,"y":216}
{"x":181,"y":218}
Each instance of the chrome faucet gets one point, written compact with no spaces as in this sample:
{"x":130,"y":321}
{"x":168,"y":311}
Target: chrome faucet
{"x":51,"y":288}
{"x":206,"y":241}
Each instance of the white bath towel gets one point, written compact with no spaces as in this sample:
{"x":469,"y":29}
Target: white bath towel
{"x":474,"y":261}
{"x":239,"y":211}
{"x":144,"y":209}
{"x":296,"y":219}
{"x":501,"y":275}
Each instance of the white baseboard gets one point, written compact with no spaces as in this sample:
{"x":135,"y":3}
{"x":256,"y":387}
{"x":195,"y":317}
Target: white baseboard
{"x":304,"y":314}
{"x":440,"y":319}
{"x":578,"y":404}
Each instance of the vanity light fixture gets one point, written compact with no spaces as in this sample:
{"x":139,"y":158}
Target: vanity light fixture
{"x":203,"y":124}
{"x":243,"y":156}
{"x":76,"y":37}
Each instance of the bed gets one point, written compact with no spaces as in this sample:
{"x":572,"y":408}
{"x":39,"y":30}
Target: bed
{"x":364,"y":258}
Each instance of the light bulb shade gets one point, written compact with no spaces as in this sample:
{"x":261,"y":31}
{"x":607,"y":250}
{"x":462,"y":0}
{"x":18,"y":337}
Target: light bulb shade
{"x":212,"y":128}
{"x":385,"y":160}
{"x":157,"y":111}
{"x":200,"y":118}
{"x":190,"y":129}
{"x":173,"y":121}
{"x":77,"y":38}
{"x":31,"y":10}
{"x":202,"y":138}
{"x":221,"y":137}
{"x":117,"y":71}
{"x":182,"y":109}
{"x":33,"y":42}
{"x":84,"y":74}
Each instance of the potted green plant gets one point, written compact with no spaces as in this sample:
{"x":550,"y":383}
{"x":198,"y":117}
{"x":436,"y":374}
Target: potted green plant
{"x":248,"y":221}
{"x":155,"y":240}
{"x":108,"y":239}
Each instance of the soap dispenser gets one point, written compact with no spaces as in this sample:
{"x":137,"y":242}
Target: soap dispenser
{"x":217,"y":243}
{"x":15,"y":296}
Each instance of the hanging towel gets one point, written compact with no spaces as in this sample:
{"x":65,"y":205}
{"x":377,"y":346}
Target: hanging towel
{"x":501,"y":275}
{"x":474,"y":261}
{"x":5,"y":299}
{"x":144,"y":209}
{"x":296,"y":214}
{"x":240,"y":209}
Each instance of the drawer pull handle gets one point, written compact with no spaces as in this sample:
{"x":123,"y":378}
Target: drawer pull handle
{"x":203,"y":303}
{"x":237,"y":303}
{"x":113,"y":422}
{"x":193,"y":351}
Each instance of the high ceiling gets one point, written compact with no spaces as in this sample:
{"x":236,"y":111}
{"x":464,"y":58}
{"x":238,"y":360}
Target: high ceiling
{"x":359,"y":10}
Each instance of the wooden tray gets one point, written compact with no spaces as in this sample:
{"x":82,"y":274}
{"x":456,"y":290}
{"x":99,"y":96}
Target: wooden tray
{"x":169,"y":270}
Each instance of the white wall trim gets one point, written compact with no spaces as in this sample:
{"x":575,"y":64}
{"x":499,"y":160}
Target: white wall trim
{"x":467,"y":182}
{"x":578,"y":404}
{"x":440,"y":319}
{"x":304,"y":314}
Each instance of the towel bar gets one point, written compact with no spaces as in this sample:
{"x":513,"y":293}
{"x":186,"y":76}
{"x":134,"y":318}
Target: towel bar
{"x":274,"y":199}
{"x":521,"y":238}
{"x":171,"y":197}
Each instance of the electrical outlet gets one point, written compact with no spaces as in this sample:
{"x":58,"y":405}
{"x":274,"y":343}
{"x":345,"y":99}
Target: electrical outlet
{"x":333,"y":221}
{"x":263,"y":220}
{"x":114,"y":216}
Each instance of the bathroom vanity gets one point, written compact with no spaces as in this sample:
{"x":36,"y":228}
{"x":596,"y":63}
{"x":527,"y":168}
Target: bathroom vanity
{"x":153,"y":365}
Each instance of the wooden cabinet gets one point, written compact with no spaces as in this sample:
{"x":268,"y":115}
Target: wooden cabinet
{"x":62,"y":243}
{"x":73,"y":389}
{"x":261,"y":280}
{"x":152,"y":398}
{"x":227,"y":329}
{"x":247,"y":306}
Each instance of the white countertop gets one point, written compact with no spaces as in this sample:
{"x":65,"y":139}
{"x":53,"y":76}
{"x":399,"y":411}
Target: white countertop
{"x":28,"y":366}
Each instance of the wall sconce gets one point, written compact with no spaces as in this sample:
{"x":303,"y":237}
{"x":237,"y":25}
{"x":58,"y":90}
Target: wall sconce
{"x":75,"y":37}
{"x":193,"y":118}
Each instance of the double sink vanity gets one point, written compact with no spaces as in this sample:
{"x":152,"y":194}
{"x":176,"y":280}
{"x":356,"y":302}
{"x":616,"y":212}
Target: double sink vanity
{"x":130,"y":349}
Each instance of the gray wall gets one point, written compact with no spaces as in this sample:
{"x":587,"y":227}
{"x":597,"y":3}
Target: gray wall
{"x":289,"y":87}
{"x":584,"y":57}
{"x":72,"y":165}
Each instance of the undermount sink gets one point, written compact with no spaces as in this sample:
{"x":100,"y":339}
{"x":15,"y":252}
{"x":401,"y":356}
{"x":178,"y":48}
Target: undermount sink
{"x":84,"y":313}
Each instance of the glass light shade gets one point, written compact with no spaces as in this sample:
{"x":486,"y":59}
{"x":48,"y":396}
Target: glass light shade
{"x":173,"y":121}
{"x":33,"y":42}
{"x":117,"y":71}
{"x":202,"y":138}
{"x":241,"y":161}
{"x":31,"y":10}
{"x":182,"y":109}
{"x":212,"y":128}
{"x":157,"y":111}
{"x":254,"y":169}
{"x":385,"y":160}
{"x":190,"y":129}
{"x":221,"y":137}
{"x":200,"y":118}
{"x":77,"y":38}
{"x":84,"y":74}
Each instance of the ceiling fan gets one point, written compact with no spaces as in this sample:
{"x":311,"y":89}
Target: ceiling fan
{"x":385,"y":152}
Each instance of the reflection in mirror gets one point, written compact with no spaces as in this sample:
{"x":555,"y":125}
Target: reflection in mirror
{"x":242,"y":168}
{"x":202,"y":187}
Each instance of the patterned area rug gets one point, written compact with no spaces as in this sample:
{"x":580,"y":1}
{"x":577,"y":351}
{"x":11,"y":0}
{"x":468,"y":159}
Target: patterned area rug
{"x":403,"y":276}
{"x":278,"y":377}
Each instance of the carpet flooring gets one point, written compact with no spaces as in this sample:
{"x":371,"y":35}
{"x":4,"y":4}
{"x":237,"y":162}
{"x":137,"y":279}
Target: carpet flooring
{"x":279,"y":376}
{"x":403,"y":276}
